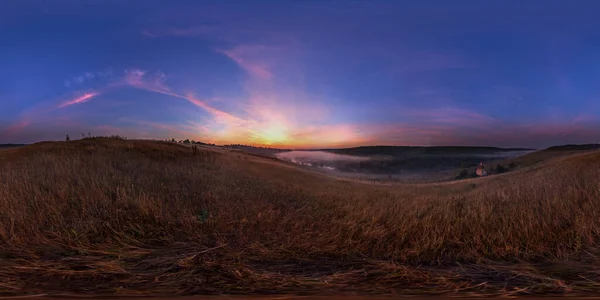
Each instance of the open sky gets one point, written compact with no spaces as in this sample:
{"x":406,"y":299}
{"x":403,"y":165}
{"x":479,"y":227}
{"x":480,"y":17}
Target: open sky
{"x":302,"y":74}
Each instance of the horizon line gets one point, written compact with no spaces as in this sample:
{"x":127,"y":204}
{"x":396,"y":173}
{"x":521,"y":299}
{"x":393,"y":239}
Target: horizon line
{"x":311,"y":148}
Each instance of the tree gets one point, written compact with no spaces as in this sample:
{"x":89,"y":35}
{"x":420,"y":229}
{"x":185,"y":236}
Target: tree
{"x":512,"y":165}
{"x":187,"y":141}
{"x":68,"y":138}
{"x":500,"y":169}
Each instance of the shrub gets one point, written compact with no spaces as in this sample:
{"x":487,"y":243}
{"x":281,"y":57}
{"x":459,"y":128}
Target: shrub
{"x":464,"y":174}
{"x":500,"y":169}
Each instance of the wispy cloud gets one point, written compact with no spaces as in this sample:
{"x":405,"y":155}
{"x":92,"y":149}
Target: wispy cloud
{"x":242,"y":55}
{"x":143,"y":80}
{"x":80,"y":99}
{"x":586,"y":118}
{"x":450,"y":116}
{"x":17,"y":126}
{"x":88,"y":76}
{"x":278,"y":109}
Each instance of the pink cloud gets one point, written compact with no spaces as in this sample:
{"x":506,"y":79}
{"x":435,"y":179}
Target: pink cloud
{"x":246,"y":57}
{"x":451,"y":116}
{"x":586,"y":118}
{"x":81,"y":99}
{"x":194,"y":126}
{"x":219,"y":116}
{"x":330,"y":135}
{"x":16,"y":127}
{"x":155,"y":83}
{"x":278,"y":110}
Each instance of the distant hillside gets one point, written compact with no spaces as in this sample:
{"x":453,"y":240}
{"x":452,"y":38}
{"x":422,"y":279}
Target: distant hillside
{"x":536,"y":157}
{"x":572,"y":147}
{"x":264,"y":151}
{"x":394,"y":160}
{"x":11,"y":145}
{"x":413,"y":150}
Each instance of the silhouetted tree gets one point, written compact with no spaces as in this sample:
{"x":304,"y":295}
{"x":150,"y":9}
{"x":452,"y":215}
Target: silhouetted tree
{"x":68,"y":138}
{"x":464,"y":173}
{"x":500,"y":169}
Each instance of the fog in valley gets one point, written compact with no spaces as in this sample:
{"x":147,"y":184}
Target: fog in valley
{"x":409,"y":165}
{"x":320,"y":159}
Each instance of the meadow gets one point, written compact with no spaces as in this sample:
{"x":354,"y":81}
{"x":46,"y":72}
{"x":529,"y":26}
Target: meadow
{"x":127,"y":217}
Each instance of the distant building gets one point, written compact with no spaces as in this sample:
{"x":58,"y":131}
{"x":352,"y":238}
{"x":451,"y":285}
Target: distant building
{"x":481,"y":170}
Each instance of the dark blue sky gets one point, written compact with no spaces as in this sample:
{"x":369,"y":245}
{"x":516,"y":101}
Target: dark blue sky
{"x":303,"y":73}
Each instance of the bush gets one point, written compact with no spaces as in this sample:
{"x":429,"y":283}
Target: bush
{"x":500,"y":169}
{"x":464,"y":174}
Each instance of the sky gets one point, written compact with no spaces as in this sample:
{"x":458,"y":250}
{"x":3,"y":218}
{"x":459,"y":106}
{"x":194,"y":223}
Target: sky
{"x":302,"y":74}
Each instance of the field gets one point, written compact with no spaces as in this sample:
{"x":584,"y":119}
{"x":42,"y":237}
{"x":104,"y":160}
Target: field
{"x":109,"y":216}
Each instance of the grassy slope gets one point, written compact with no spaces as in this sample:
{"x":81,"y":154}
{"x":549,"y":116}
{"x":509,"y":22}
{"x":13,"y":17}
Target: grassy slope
{"x":536,"y":157}
{"x":129,"y":216}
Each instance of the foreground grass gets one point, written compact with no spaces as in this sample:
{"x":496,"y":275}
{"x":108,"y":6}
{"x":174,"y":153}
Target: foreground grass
{"x":129,"y":217}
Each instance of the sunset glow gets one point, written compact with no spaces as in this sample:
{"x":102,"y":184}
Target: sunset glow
{"x":305,"y":76}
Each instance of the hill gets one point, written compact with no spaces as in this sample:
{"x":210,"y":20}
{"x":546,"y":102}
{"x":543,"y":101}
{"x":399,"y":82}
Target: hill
{"x":133,"y":217}
{"x":418,"y":150}
{"x":572,"y":147}
{"x":10,"y":145}
{"x":536,"y":157}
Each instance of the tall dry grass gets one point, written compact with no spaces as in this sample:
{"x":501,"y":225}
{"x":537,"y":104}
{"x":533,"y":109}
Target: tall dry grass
{"x":108,"y":215}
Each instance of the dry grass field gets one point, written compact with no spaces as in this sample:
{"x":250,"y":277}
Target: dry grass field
{"x":109,"y":216}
